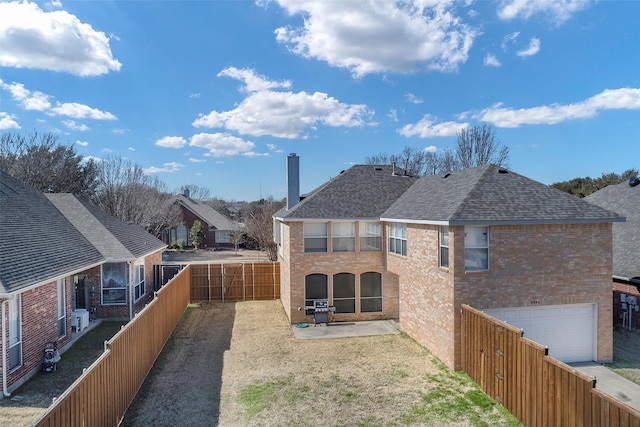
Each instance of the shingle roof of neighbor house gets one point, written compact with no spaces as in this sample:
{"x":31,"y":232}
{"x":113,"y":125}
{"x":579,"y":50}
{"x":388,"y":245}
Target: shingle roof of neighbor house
{"x":488,"y":195}
{"x":360,"y":192}
{"x":625,"y":200}
{"x":38,"y":244}
{"x":115,"y":239}
{"x":208,"y":214}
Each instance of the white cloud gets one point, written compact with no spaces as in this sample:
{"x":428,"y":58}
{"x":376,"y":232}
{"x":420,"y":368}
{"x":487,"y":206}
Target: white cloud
{"x":221,"y":144}
{"x":393,"y":115}
{"x":285,"y":114}
{"x":71,"y":124}
{"x":7,"y":121}
{"x":171,"y":142}
{"x":556,"y":10}
{"x":431,"y":149}
{"x":131,"y":149}
{"x":254,"y":154}
{"x":118,"y":131}
{"x":428,"y":128}
{"x":409,"y":97}
{"x":29,"y":100}
{"x":85,"y":159}
{"x":376,"y":37}
{"x":170,"y":167}
{"x":509,"y":39}
{"x":491,"y":61}
{"x":194,"y":160}
{"x":610,"y":99}
{"x":82,"y":143}
{"x":194,"y":95}
{"x":252,"y":81}
{"x":56,"y":41}
{"x":80,"y":111}
{"x":271,"y":147}
{"x":532,"y":49}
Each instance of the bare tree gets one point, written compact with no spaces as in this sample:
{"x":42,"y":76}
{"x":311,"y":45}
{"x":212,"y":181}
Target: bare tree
{"x":39,"y":161}
{"x":127,"y":193}
{"x":236,"y":237}
{"x":259,"y":227}
{"x":412,"y":160}
{"x":477,"y":145}
{"x":196,"y":192}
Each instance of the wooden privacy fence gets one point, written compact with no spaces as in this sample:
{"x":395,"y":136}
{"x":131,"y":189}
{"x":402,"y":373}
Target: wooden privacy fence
{"x":235,"y":282}
{"x":536,"y":388}
{"x":101,"y":396}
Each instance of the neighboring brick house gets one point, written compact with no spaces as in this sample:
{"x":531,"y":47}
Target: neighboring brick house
{"x":377,"y":244}
{"x":624,"y":199}
{"x":217,"y":228}
{"x":122,"y":285}
{"x":40,"y":255}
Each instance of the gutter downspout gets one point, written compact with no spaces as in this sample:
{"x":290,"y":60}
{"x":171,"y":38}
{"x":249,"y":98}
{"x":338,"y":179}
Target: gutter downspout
{"x":132,"y":273}
{"x":4,"y":352}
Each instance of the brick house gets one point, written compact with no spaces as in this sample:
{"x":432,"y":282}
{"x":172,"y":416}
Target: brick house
{"x":40,"y":255}
{"x":624,"y":198}
{"x":121,"y":286}
{"x":377,"y":244}
{"x":217,"y":228}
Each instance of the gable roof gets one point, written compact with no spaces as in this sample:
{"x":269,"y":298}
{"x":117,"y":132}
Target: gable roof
{"x":202,"y":210}
{"x":360,"y":192}
{"x":38,"y":243}
{"x":489,"y":195}
{"x":625,"y":200}
{"x":115,"y":239}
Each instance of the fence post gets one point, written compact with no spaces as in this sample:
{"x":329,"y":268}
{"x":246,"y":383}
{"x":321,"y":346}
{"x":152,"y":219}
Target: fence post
{"x":209,"y":280}
{"x":273,"y":276}
{"x":222,"y":276}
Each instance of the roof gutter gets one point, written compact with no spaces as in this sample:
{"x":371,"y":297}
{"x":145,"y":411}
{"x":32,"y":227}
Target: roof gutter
{"x":507,"y":222}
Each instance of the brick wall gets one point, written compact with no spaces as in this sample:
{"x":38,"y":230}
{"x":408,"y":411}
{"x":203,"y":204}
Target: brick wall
{"x":300,"y":264}
{"x":39,"y":326}
{"x":529,"y":265}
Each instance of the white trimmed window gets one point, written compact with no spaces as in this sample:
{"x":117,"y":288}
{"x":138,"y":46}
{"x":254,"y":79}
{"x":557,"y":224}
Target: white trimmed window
{"x":139,"y":290}
{"x":316,"y":288}
{"x":343,"y":236}
{"x":62,"y":309}
{"x":398,"y":239}
{"x":476,"y":248}
{"x":223,"y":236}
{"x":371,"y":292}
{"x":370,"y":236}
{"x":344,"y":292}
{"x":15,"y":332}
{"x":444,"y":247}
{"x":315,"y":237}
{"x":114,"y":282}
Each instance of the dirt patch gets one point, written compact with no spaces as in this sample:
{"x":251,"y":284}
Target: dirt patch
{"x":238,"y":364}
{"x":626,"y":354}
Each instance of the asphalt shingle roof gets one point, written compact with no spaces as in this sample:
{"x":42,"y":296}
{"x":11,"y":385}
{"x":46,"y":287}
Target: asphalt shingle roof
{"x":360,"y":192}
{"x":115,"y":239}
{"x":488,"y":195}
{"x":205,"y":212}
{"x":625,"y":200}
{"x":38,"y":243}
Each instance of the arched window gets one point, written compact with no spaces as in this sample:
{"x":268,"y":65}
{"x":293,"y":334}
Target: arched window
{"x":315,"y":289}
{"x":370,"y":292}
{"x":344,"y":292}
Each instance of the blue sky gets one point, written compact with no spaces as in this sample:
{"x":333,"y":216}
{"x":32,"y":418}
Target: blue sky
{"x":217,"y":93}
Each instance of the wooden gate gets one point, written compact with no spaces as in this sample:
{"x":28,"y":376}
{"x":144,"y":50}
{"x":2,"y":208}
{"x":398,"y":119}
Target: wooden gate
{"x":235,"y":282}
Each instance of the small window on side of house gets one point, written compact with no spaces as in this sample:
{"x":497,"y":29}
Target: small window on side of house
{"x":476,"y":248}
{"x":398,"y":239}
{"x":444,"y":247}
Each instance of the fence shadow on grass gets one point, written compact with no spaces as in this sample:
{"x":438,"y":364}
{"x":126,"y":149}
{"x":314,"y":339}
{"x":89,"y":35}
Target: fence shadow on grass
{"x":185,"y":383}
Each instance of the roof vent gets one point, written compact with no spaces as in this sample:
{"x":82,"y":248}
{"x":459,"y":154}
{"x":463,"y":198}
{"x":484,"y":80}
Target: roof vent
{"x":446,"y":175}
{"x":633,"y":181}
{"x":503,"y":171}
{"x":378,"y":169}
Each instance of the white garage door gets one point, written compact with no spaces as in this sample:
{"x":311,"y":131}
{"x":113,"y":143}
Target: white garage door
{"x":567,"y":330}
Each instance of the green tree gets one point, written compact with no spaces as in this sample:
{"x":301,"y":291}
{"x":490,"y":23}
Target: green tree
{"x":196,"y":234}
{"x":582,"y":187}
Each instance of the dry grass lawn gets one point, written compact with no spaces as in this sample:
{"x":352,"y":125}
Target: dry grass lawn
{"x":239,"y":365}
{"x":626,"y":354}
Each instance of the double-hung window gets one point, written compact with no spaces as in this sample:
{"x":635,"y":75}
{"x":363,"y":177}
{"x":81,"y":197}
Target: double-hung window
{"x":315,"y":237}
{"x":62,"y":309}
{"x":343,"y":236}
{"x":370,"y":236}
{"x":114,"y":282}
{"x":15,"y":332}
{"x":398,"y":239}
{"x":476,"y":248}
{"x":139,"y":290}
{"x":444,"y":247}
